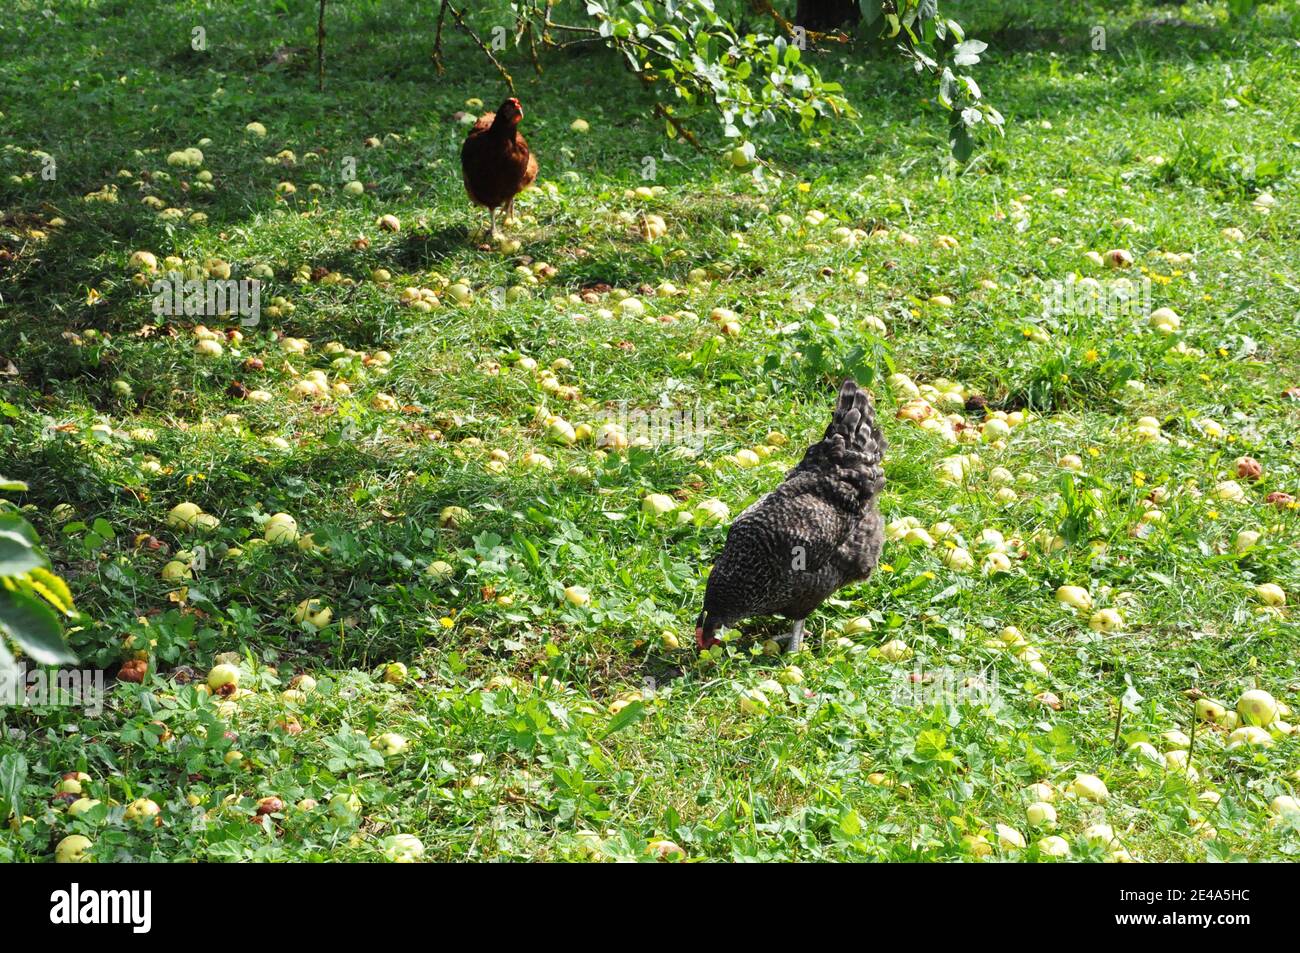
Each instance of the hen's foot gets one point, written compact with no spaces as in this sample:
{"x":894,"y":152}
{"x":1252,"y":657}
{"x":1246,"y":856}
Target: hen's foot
{"x":794,"y":640}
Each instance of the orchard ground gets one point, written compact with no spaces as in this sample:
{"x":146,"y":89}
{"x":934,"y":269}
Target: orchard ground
{"x":551,"y":704}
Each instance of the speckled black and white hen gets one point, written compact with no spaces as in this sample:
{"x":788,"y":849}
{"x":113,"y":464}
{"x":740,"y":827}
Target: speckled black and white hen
{"x":816,"y":532}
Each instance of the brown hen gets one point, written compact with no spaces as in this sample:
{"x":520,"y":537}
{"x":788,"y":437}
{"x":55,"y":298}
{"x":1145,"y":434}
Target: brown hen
{"x":496,"y":162}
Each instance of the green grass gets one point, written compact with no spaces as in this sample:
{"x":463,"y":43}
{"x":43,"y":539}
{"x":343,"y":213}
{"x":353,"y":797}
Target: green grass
{"x":514,"y":751}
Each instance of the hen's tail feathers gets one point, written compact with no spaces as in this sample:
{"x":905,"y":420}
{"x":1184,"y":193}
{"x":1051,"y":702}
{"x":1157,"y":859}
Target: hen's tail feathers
{"x":854,"y":420}
{"x":851,"y":451}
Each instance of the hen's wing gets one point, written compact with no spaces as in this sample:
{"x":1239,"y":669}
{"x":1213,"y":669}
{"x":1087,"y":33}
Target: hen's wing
{"x":473,"y":158}
{"x":530,"y":170}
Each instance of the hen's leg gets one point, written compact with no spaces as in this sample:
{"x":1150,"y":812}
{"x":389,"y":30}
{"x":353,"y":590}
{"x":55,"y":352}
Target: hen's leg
{"x":795,"y":637}
{"x":492,"y":223}
{"x":510,"y":212}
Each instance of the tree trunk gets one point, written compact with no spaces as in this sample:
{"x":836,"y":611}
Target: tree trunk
{"x":320,"y":49}
{"x":822,"y":16}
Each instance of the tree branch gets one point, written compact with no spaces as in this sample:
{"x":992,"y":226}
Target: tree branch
{"x":437,"y":39}
{"x":460,"y":22}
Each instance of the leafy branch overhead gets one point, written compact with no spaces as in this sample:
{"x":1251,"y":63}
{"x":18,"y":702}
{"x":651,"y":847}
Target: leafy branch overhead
{"x":32,"y":598}
{"x":695,"y":58}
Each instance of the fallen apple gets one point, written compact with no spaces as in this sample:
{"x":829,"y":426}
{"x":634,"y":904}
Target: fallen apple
{"x":73,"y":849}
{"x":1089,"y":787}
{"x":1250,"y":736}
{"x":395,"y":673}
{"x":389,"y":744}
{"x":1054,"y":846}
{"x":270,"y":805}
{"x":1075,"y":596}
{"x":1282,"y":804}
{"x":182,"y":515}
{"x":143,"y":261}
{"x":176,"y":571}
{"x":344,"y":807}
{"x":1041,"y":814}
{"x":711,"y":512}
{"x":1248,"y":468}
{"x":995,"y":562}
{"x":1209,"y":710}
{"x":658,"y":504}
{"x":976,"y":845}
{"x":665,"y":850}
{"x":1099,"y":835}
{"x":857,"y":626}
{"x":81,"y":805}
{"x":1257,"y":707}
{"x":1009,"y":838}
{"x":403,"y":848}
{"x":1246,"y":539}
{"x":143,"y":811}
{"x":895,"y":650}
{"x":1040,"y":791}
{"x":753,"y":701}
{"x":561,"y":431}
{"x":281,"y":530}
{"x":454,"y":517}
{"x":1271,"y":594}
{"x":1106,"y":620}
{"x":313,"y":613}
{"x":224,"y":679}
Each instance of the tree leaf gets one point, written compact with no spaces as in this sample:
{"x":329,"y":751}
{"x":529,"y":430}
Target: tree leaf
{"x":54,"y":589}
{"x":35,"y":628}
{"x":13,"y":775}
{"x":18,"y":556}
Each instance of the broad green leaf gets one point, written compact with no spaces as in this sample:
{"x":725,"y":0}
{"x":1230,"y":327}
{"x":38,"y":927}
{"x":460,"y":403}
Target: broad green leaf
{"x":13,"y":775}
{"x":35,"y":628}
{"x":54,"y":589}
{"x":18,"y":556}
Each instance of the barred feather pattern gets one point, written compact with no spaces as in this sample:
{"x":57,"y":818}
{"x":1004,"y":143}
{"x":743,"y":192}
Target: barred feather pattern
{"x":819,"y":530}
